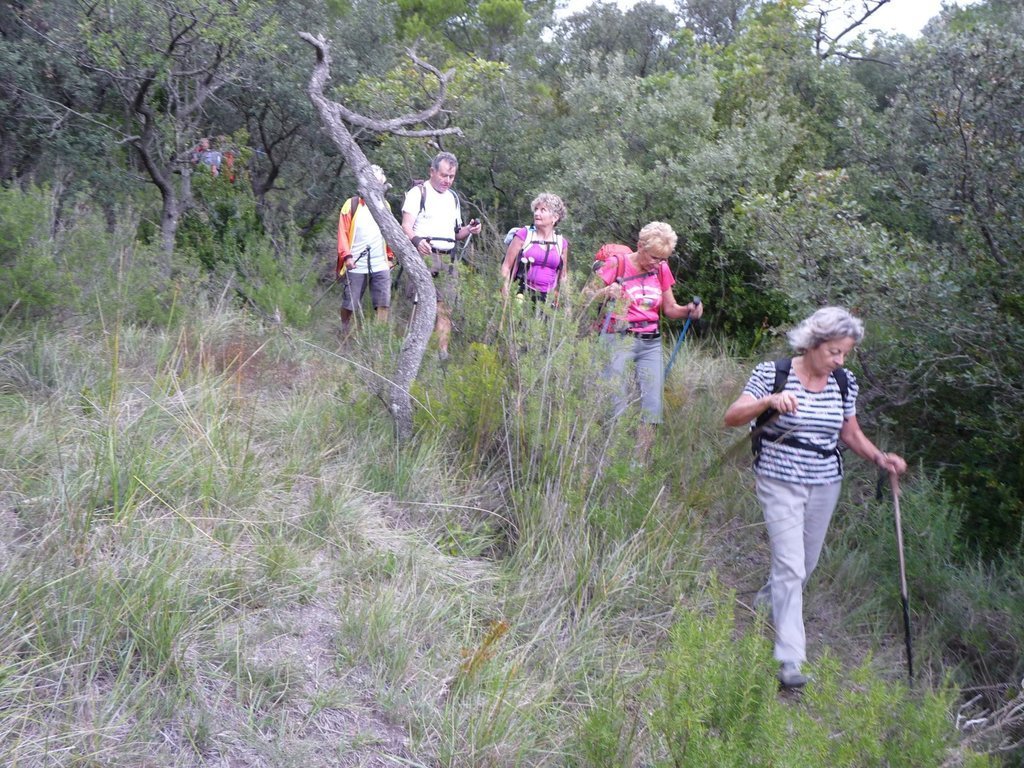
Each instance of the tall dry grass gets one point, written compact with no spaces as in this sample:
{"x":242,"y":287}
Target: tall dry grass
{"x":214,"y":553}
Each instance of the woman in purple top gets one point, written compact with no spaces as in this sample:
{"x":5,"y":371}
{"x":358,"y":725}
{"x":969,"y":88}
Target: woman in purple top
{"x":538,"y":257}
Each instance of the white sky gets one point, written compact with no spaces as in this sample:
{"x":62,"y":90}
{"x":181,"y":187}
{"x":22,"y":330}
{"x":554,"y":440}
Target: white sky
{"x":905,"y":17}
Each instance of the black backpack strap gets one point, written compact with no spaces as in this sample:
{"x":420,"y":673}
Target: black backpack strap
{"x":458,"y":220}
{"x":782,"y":367}
{"x":458,"y":208}
{"x":422,"y":186}
{"x":843,"y":382}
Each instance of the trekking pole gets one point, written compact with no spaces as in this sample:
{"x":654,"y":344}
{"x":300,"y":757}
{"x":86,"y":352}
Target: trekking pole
{"x":324,"y":294}
{"x":465,"y":246}
{"x":358,"y":300}
{"x":894,"y":481}
{"x":679,"y":341}
{"x":525,"y":262}
{"x":327,"y":290}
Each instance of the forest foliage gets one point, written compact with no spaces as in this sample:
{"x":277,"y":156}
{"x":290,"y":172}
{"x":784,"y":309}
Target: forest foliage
{"x":880,"y":173}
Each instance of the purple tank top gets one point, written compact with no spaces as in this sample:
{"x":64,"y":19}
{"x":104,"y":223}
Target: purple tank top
{"x":547,"y":260}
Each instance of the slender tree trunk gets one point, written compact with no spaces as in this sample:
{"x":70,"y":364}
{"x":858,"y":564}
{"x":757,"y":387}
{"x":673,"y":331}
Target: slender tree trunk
{"x":336,"y":117}
{"x":170,"y":215}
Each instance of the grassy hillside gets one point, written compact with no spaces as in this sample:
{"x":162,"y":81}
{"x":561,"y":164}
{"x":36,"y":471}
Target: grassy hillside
{"x":213,"y":553}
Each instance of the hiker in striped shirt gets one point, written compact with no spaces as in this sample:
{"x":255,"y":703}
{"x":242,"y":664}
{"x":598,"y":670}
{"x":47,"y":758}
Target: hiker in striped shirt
{"x":801,"y":407}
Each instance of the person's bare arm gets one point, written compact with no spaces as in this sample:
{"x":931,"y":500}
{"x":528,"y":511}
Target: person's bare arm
{"x":858,"y":442}
{"x":671,"y":309}
{"x":746,"y":407}
{"x":421,"y":244}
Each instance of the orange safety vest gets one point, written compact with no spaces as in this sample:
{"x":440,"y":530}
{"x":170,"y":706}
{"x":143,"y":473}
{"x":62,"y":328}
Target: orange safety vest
{"x":346,"y":234}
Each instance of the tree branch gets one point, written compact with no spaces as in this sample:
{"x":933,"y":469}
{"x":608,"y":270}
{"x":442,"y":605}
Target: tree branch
{"x":395,"y":125}
{"x":829,"y":43}
{"x":337,"y":120}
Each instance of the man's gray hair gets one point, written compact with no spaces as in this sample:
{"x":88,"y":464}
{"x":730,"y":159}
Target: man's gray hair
{"x":824,"y":325}
{"x":444,"y":157}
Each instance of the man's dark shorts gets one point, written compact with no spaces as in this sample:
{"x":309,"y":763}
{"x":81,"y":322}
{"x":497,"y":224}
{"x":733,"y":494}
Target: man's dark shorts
{"x":447,"y":284}
{"x":380,"y":289}
{"x":446,"y":278}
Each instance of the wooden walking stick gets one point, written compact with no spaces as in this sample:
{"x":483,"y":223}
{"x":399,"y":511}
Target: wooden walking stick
{"x":894,"y":481}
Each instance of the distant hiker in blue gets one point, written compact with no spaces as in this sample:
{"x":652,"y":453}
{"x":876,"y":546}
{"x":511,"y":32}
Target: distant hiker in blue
{"x":205,"y":154}
{"x":801,"y":408}
{"x":537,"y":258}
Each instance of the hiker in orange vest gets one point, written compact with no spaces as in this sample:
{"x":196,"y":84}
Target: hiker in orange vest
{"x":364,"y":258}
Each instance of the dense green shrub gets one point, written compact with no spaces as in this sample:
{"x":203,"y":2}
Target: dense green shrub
{"x":715,"y":702}
{"x":35,"y":282}
{"x":473,"y":406}
{"x":968,"y":615}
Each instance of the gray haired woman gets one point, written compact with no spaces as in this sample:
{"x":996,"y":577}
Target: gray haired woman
{"x":803,"y":407}
{"x":537,"y":255}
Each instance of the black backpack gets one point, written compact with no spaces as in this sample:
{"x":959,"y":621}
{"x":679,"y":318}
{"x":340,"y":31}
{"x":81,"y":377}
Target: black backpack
{"x":782,"y":368}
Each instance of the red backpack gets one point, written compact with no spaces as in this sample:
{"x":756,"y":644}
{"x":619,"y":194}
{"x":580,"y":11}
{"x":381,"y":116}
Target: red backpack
{"x":608,"y":250}
{"x":619,"y":253}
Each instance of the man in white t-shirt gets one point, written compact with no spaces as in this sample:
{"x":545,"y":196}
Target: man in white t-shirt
{"x":363,"y":258}
{"x":432,"y":218}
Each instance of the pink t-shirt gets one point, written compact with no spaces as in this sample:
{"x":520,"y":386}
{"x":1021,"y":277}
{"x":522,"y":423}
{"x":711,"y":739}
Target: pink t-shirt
{"x":644,"y":290}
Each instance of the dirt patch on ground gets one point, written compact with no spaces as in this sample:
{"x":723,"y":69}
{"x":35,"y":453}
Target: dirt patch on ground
{"x":286,"y":699}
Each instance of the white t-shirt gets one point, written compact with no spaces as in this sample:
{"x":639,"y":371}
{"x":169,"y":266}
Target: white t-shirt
{"x":440,"y":218}
{"x":367,"y":233}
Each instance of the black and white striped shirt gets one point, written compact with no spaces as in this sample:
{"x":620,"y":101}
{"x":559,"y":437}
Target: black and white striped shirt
{"x":819,"y":417}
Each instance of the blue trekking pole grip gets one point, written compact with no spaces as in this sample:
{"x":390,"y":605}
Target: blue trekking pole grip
{"x":679,"y":341}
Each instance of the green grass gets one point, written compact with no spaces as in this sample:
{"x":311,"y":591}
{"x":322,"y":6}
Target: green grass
{"x":213,"y":550}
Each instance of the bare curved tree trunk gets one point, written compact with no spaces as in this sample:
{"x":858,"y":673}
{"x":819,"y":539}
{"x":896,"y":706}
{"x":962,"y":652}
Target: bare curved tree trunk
{"x":337,"y":118}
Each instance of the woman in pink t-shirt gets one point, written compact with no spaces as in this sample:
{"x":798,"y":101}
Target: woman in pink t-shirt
{"x":643,"y":281}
